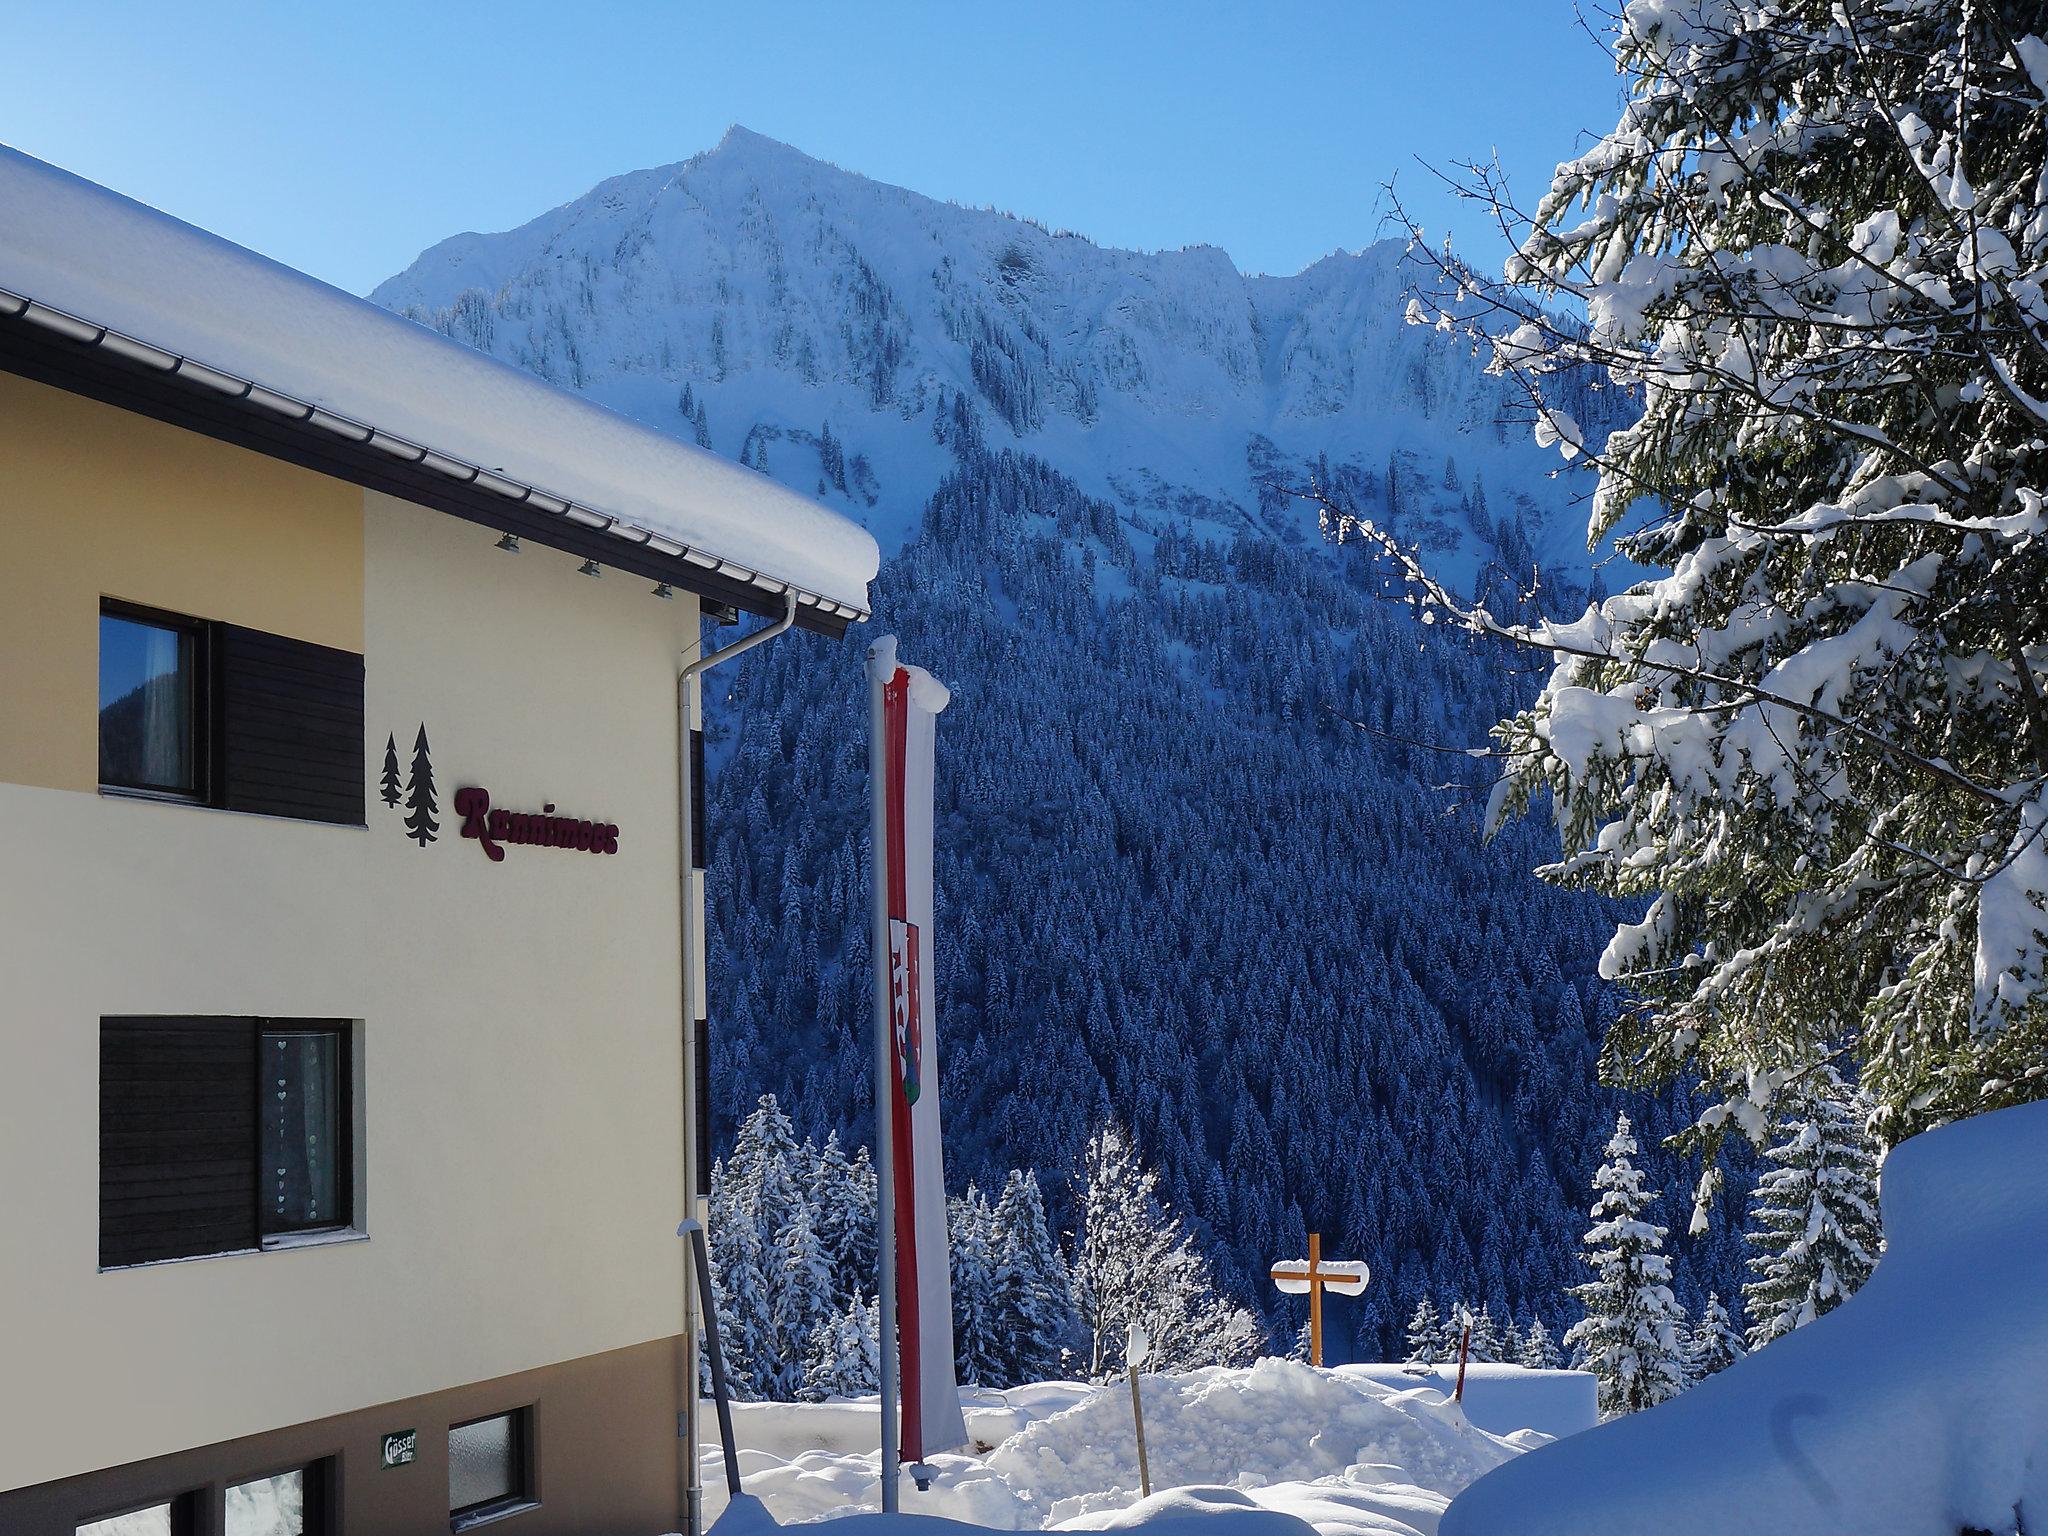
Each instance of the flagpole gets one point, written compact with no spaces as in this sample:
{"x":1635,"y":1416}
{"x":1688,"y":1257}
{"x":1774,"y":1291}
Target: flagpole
{"x":881,"y":659}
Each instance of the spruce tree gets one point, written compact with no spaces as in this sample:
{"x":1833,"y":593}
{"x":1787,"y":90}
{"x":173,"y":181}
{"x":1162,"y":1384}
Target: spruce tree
{"x":1814,"y":744}
{"x":980,"y":1336}
{"x":1033,"y":1298}
{"x":1813,"y":1219}
{"x":1488,"y":1344}
{"x":1537,"y":1350}
{"x":1425,"y":1334}
{"x":802,"y":1300}
{"x":1632,"y":1336}
{"x":1716,"y":1341}
{"x":845,"y":1358}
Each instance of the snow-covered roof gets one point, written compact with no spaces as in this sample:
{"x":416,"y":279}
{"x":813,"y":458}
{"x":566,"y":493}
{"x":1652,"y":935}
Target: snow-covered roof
{"x":108,"y":271}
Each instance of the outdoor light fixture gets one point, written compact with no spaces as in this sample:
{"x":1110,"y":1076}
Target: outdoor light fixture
{"x":590,"y":568}
{"x":509,"y":543}
{"x":664,"y":591}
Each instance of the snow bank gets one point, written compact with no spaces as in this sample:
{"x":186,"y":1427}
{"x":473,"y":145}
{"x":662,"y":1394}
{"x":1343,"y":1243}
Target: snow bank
{"x":1860,"y":1422}
{"x":1337,"y":1450}
{"x":1277,"y":1422}
{"x":74,"y":246}
{"x":1503,"y":1398}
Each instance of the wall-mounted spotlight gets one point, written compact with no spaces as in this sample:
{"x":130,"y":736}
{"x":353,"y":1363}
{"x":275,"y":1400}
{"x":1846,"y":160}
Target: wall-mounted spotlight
{"x":509,"y":543}
{"x":590,"y":568}
{"x":664,"y":591}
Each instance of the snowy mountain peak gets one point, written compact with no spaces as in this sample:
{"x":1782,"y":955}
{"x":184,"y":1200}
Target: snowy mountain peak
{"x":752,"y":295}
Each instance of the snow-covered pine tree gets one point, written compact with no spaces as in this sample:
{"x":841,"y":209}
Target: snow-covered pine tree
{"x":979,"y":1345}
{"x":1537,"y":1350}
{"x":1716,"y":1341}
{"x":741,"y":1287}
{"x":1134,"y":1262}
{"x":845,"y":1358}
{"x":802,"y":1300}
{"x":1813,"y":1217}
{"x":1633,"y":1332}
{"x":1816,"y":744}
{"x":1488,"y":1343}
{"x":845,"y":1197}
{"x":1033,"y":1300}
{"x":1425,"y":1334}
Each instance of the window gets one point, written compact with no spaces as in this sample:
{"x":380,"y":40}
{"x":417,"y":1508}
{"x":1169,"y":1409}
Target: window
{"x":229,"y":717}
{"x":293,"y":1503}
{"x":166,"y":1519}
{"x":489,"y":1468}
{"x":218,"y":1135}
{"x":150,"y":703}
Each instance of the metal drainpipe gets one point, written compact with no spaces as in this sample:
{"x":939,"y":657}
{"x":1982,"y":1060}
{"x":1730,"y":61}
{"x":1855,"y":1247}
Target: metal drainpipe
{"x":689,"y":710}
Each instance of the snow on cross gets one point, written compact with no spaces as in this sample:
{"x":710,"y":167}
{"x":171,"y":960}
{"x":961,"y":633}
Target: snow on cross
{"x":1312,"y":1279}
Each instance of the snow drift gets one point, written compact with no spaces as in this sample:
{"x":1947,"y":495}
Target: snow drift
{"x":1861,"y":1421}
{"x":1335,"y":1449}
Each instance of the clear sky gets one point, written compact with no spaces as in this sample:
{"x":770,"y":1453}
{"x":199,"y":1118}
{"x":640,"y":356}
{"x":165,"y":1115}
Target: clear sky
{"x":344,"y":139}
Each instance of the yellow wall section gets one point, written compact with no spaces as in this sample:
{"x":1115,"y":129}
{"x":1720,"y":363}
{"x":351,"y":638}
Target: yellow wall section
{"x":97,"y":502}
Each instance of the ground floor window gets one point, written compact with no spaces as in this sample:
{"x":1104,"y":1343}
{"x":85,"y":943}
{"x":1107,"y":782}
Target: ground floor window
{"x":218,"y":1135}
{"x":490,"y":1468}
{"x":170,"y":1518}
{"x":283,"y":1504}
{"x":295,"y":1502}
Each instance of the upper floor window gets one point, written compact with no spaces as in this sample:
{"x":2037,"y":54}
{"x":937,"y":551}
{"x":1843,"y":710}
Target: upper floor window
{"x":229,"y":717}
{"x":150,"y":703}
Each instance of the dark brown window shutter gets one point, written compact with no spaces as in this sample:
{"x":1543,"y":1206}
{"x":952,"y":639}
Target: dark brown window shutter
{"x":291,"y":727}
{"x":700,"y":851}
{"x":177,"y":1138}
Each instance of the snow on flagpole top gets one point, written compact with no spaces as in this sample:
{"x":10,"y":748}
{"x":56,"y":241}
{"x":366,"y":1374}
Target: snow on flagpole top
{"x":926,"y":691}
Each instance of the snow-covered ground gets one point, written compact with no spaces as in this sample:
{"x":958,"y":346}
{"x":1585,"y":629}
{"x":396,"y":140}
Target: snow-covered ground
{"x":1355,"y":1449}
{"x":1861,"y":1421}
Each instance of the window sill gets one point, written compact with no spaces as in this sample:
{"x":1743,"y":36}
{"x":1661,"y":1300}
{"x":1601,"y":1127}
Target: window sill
{"x":269,"y":1245}
{"x":320,"y":1239}
{"x":470,"y":1519}
{"x":193,"y":803}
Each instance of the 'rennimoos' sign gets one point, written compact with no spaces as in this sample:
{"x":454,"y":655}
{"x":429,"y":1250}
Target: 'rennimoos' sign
{"x":542,"y":829}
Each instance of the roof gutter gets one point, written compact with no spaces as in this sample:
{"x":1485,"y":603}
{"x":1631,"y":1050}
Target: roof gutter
{"x":453,"y":467}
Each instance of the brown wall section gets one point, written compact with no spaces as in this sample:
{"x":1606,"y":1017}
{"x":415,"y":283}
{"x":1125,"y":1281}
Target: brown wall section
{"x":605,"y":1445}
{"x":97,"y":502}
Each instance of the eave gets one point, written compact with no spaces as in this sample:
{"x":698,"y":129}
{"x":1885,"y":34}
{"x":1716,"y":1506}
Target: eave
{"x":70,"y":353}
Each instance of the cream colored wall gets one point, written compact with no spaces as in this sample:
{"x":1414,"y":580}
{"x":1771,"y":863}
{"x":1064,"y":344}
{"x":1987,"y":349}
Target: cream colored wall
{"x":96,"y":502}
{"x":519,"y":1030}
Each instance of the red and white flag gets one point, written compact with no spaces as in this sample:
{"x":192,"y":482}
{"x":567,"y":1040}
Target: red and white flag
{"x":907,"y":702}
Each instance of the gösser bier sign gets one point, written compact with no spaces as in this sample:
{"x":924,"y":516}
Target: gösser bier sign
{"x":542,"y":829}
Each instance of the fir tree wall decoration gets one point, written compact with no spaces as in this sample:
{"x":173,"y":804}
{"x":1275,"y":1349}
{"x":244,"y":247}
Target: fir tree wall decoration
{"x":388,"y":785}
{"x":421,"y":823}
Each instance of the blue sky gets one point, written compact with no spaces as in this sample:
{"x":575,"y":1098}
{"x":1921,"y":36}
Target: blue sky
{"x":344,"y":139}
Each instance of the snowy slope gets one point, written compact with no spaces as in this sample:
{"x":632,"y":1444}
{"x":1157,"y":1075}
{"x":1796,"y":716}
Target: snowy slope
{"x":1918,"y":1407}
{"x":788,"y":295}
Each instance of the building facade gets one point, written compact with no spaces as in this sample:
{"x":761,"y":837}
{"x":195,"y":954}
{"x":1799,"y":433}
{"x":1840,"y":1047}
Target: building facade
{"x":349,"y":957}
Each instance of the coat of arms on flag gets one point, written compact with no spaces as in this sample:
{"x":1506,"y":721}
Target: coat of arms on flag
{"x":903,"y":990}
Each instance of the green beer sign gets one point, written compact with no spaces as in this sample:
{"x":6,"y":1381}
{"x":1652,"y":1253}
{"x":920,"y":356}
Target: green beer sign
{"x":401,"y":1447}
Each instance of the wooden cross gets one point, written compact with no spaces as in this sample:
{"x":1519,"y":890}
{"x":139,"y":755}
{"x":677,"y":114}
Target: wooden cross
{"x":1314,"y":1278}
